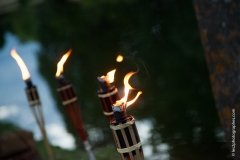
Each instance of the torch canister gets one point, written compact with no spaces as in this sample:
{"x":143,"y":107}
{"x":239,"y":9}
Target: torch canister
{"x":125,"y":134}
{"x":108,"y":95}
{"x":70,"y":103}
{"x":32,"y":94}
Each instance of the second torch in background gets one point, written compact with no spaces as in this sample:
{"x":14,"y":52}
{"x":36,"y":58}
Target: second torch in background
{"x":71,"y":104}
{"x":108,"y":94}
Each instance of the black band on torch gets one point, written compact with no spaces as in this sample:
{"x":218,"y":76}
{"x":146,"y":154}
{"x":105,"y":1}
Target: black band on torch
{"x":29,"y":83}
{"x":61,"y":80}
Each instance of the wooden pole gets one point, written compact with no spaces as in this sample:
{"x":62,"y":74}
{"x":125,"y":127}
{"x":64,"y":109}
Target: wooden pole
{"x":219,"y":25}
{"x":39,"y":118}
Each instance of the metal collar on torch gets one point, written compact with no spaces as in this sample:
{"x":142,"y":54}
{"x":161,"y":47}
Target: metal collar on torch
{"x":104,"y":83}
{"x":119,"y":111}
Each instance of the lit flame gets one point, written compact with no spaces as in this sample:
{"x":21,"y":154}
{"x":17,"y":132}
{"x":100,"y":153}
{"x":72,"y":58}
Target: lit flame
{"x":127,"y":87}
{"x":119,"y":58}
{"x":132,"y":101}
{"x":23,"y":68}
{"x":110,"y":76}
{"x":61,"y":63}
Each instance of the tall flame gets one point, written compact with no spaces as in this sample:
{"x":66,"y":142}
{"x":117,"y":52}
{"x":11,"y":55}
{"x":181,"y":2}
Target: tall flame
{"x":127,"y":87}
{"x":61,"y":63}
{"x":110,"y":76}
{"x":21,"y":64}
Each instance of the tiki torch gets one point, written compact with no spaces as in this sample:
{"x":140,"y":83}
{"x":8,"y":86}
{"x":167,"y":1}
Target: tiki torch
{"x":123,"y":127}
{"x":70,"y":103}
{"x":33,"y":100}
{"x":108,"y":94}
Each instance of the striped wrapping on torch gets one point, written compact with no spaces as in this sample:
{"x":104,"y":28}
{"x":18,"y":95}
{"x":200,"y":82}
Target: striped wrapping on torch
{"x":107,"y":99}
{"x":32,"y":96}
{"x":70,"y":103}
{"x":127,"y":139}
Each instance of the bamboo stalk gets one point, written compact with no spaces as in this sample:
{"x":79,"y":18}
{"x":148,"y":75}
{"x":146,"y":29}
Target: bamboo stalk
{"x":40,"y":121}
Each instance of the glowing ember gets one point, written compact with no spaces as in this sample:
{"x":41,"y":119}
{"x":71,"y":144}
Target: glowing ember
{"x":61,"y":63}
{"x":127,"y":87}
{"x":23,"y":68}
{"x":119,"y":58}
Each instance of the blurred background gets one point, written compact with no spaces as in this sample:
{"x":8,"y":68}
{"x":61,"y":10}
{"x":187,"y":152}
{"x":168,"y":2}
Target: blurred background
{"x":175,"y":115}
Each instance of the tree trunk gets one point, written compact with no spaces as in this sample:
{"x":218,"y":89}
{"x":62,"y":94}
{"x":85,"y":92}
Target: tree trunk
{"x":219,"y":24}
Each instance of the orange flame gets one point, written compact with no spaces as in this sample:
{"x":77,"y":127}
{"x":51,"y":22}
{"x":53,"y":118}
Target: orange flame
{"x":119,"y":58}
{"x":21,"y":64}
{"x":61,"y":63}
{"x":127,"y":87}
{"x":132,"y":101}
{"x":110,"y":76}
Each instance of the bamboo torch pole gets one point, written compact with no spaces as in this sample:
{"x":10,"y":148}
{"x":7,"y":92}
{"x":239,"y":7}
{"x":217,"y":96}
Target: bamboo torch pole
{"x":71,"y":104}
{"x":123,"y":127}
{"x":34,"y":101}
{"x":36,"y":108}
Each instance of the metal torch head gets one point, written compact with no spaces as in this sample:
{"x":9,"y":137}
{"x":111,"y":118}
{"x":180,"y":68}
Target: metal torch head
{"x":119,"y":111}
{"x":29,"y":83}
{"x":61,"y":80}
{"x":104,"y":83}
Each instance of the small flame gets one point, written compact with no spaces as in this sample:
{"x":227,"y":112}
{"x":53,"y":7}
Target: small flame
{"x":119,"y":58}
{"x":23,"y":68}
{"x":61,"y":63}
{"x":110,"y":76}
{"x":127,"y":87}
{"x":132,"y":101}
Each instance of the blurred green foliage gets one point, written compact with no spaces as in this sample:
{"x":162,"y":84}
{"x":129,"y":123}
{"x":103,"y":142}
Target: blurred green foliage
{"x":6,"y":127}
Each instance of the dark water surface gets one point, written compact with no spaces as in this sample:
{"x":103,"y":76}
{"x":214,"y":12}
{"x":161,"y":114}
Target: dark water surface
{"x":176,"y":114}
